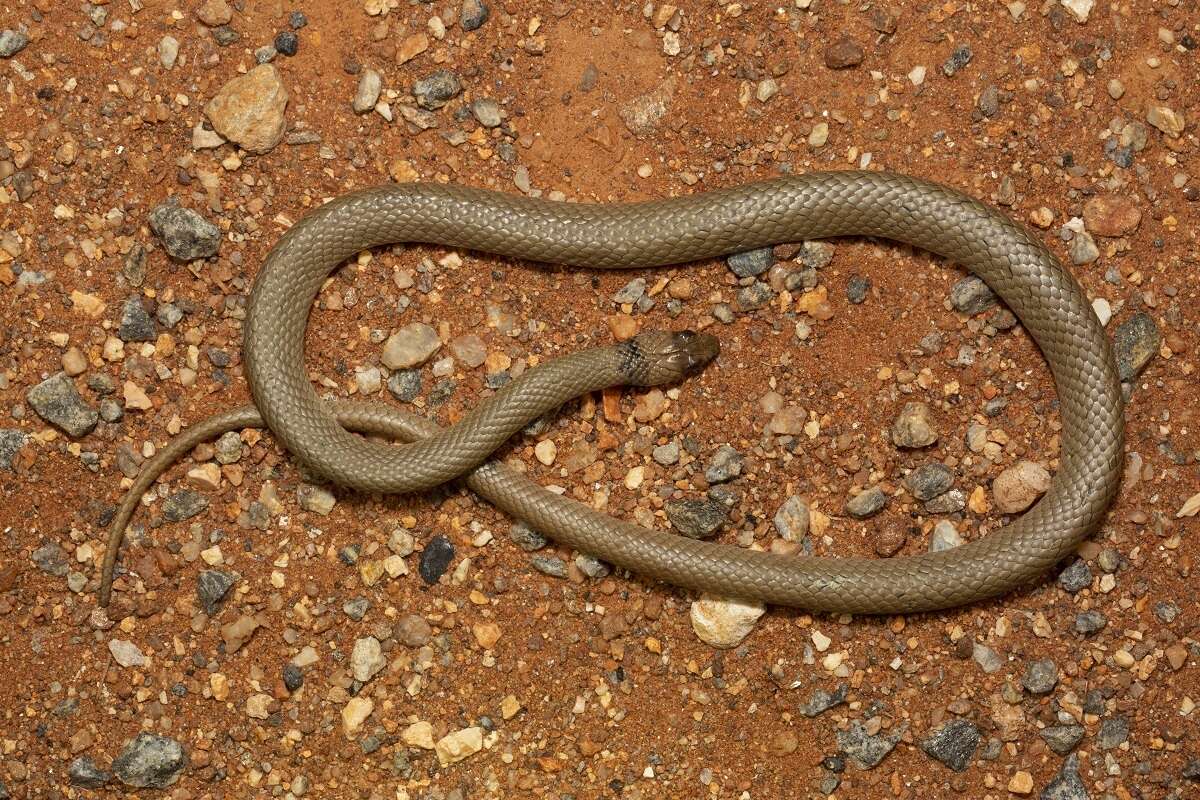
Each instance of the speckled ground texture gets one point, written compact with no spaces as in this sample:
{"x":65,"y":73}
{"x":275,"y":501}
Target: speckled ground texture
{"x":270,"y":636}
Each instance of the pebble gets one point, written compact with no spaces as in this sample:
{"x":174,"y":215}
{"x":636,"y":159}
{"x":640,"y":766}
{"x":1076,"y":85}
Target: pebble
{"x":987,"y":658}
{"x":866,"y":751}
{"x":821,"y":700}
{"x":11,"y":442}
{"x":592,"y":566}
{"x":410,"y":346}
{"x":185,"y":234}
{"x":929,"y":480}
{"x":724,"y":623}
{"x":1080,"y":9}
{"x":1167,"y":120}
{"x":84,"y":773}
{"x":1083,"y":249}
{"x":1066,"y":785}
{"x":412,"y":631}
{"x":355,"y":713}
{"x":150,"y":761}
{"x":249,"y":109}
{"x":792,"y":519}
{"x":1021,"y":782}
{"x":474,"y":14}
{"x":866,"y":503}
{"x":126,"y":653}
{"x":1136,"y":341}
{"x":752,"y":262}
{"x":1076,"y":577}
{"x":51,"y":559}
{"x":953,"y":744}
{"x":643,"y":113}
{"x":57,"y":401}
{"x":945,"y":537}
{"x":666,"y":454}
{"x":1191,"y":770}
{"x":696,"y":519}
{"x":437,"y":89}
{"x":454,"y":747}
{"x":370,"y":85}
{"x":435,"y":559}
{"x":487,"y":112}
{"x":545,"y":451}
{"x":526,"y":537}
{"x":214,"y":13}
{"x":754,"y":296}
{"x":1111,"y":215}
{"x":843,"y":54}
{"x":1114,"y":731}
{"x":725,"y":465}
{"x":405,"y":384}
{"x":1062,"y":739}
{"x":366,"y":659}
{"x":287,"y":43}
{"x":356,"y":608}
{"x":316,"y":499}
{"x":914,"y":428}
{"x":168,"y":51}
{"x":972,"y":296}
{"x":297,"y":20}
{"x":12,"y":42}
{"x":136,"y":324}
{"x":553,"y":566}
{"x":958,"y":59}
{"x":1016,"y":488}
{"x":1040,"y":676}
{"x":419,"y":734}
{"x":1103,"y":310}
{"x":857,"y":289}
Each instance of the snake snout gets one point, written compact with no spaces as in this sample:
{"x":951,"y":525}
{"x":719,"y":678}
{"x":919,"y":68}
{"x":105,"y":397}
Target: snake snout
{"x":696,"y":350}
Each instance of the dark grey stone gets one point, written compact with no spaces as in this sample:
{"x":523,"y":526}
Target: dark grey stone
{"x":725,"y":464}
{"x":696,"y":519}
{"x":1135,"y":342}
{"x":1062,"y":739}
{"x":754,"y":296}
{"x":958,"y":59}
{"x":972,"y":296}
{"x":84,"y":773}
{"x":474,"y":14}
{"x":405,"y":384}
{"x":1076,"y":577}
{"x":822,"y":700}
{"x":866,"y":751}
{"x":287,"y":43}
{"x":553,"y":566}
{"x":57,"y":401}
{"x":184,"y":504}
{"x":11,"y":442}
{"x":929,"y":480}
{"x":136,"y":325}
{"x":437,"y":89}
{"x":150,"y":762}
{"x":866,"y":503}
{"x":211,"y":587}
{"x":1040,"y":676}
{"x":953,"y":744}
{"x":1113,"y":731}
{"x":857,"y":289}
{"x":185,"y":234}
{"x":12,"y":42}
{"x":1066,"y":785}
{"x":752,"y":262}
{"x":1089,"y":622}
{"x":526,"y":537}
{"x":51,"y":559}
{"x":435,"y":559}
{"x":293,"y":677}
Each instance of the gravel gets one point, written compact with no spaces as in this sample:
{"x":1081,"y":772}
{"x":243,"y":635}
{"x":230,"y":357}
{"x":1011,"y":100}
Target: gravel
{"x":929,"y":480}
{"x":553,"y":566}
{"x":51,"y":559}
{"x":184,"y":504}
{"x":150,"y":761}
{"x":1135,"y":342}
{"x":1062,"y":739}
{"x":792,"y":519}
{"x":84,"y":773}
{"x":474,"y":14}
{"x":857,"y":288}
{"x":1090,"y":622}
{"x":914,"y":428}
{"x":405,"y":384}
{"x":366,"y":95}
{"x":435,"y":559}
{"x":185,"y":234}
{"x":212,"y":585}
{"x":725,"y":465}
{"x":1040,"y":676}
{"x":526,"y":537}
{"x":953,"y":744}
{"x":12,"y":42}
{"x":437,"y":89}
{"x":866,"y":503}
{"x":287,"y":43}
{"x":822,"y":700}
{"x":57,"y":401}
{"x":972,"y":296}
{"x":752,"y":262}
{"x":1114,"y":731}
{"x":136,"y":324}
{"x":1066,"y":785}
{"x":486,"y":112}
{"x":958,"y":59}
{"x":1076,"y":577}
{"x":864,"y":750}
{"x":696,"y":519}
{"x":11,"y":442}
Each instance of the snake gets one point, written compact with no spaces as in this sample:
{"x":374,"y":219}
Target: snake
{"x":1044,"y":296}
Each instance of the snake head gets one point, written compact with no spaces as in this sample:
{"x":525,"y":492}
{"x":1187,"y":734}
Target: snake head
{"x":657,"y":357}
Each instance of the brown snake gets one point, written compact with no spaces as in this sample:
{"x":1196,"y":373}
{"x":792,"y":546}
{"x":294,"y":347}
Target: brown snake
{"x":1044,"y":296}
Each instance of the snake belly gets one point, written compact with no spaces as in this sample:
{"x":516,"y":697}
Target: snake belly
{"x":1044,"y":296}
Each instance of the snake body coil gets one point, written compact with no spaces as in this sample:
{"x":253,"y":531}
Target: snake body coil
{"x":1047,"y":300}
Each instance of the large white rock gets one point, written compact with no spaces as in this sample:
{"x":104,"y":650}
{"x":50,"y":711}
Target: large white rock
{"x":724,"y":623}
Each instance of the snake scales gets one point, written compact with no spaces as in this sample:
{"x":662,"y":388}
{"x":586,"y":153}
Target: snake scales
{"x":1045,"y":297}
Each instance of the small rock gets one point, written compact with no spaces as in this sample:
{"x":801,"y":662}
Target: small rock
{"x":643,"y":113}
{"x":1191,"y":770}
{"x":1090,"y":622}
{"x":857,"y":289}
{"x":1136,"y":341}
{"x":249,"y":109}
{"x":1113,"y":732}
{"x":412,"y":631}
{"x":987,"y":658}
{"x":136,"y":324}
{"x":370,"y":84}
{"x":958,"y":59}
{"x":1076,"y":577}
{"x":211,"y":587}
{"x":913,"y":428}
{"x":435,"y":559}
{"x":487,"y":112}
{"x":945,"y":537}
{"x":696,"y":519}
{"x":367,"y":659}
{"x":84,"y":773}
{"x":11,"y":442}
{"x":454,"y":747}
{"x":724,"y":623}
{"x":1062,"y":739}
{"x":726,"y":464}
{"x":843,"y":54}
{"x":553,"y":566}
{"x":821,"y":700}
{"x":752,"y":262}
{"x":287,"y":43}
{"x":1083,"y":249}
{"x":355,"y":713}
{"x":150,"y":761}
{"x":592,"y":566}
{"x":410,"y":346}
{"x":1167,"y":120}
{"x":259,"y":705}
{"x":929,"y":480}
{"x":972,"y":296}
{"x":953,"y":744}
{"x":474,"y":14}
{"x":419,"y":734}
{"x":12,"y":42}
{"x":526,"y":537}
{"x":864,"y":750}
{"x":1111,"y":215}
{"x":1016,"y":488}
{"x":1066,"y":785}
{"x":405,"y":385}
{"x":437,"y":89}
{"x":316,"y":499}
{"x":1040,"y":676}
{"x":1080,"y":9}
{"x":57,"y":401}
{"x":185,"y":234}
{"x":214,"y":13}
{"x":168,"y":51}
{"x":866,"y":503}
{"x":666,"y":454}
{"x":792,"y":519}
{"x":51,"y":559}
{"x":126,"y":653}
{"x":184,"y":504}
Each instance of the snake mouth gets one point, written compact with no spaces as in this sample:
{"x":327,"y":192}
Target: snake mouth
{"x":696,"y":349}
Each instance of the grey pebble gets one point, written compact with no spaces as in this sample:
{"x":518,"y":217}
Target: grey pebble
{"x":185,"y":234}
{"x":356,"y":608}
{"x":866,"y":503}
{"x":184,"y":504}
{"x":945,"y":537}
{"x":953,"y":744}
{"x":486,"y":112}
{"x":972,"y":296}
{"x":228,"y":448}
{"x":225,"y":35}
{"x":929,"y":480}
{"x":287,"y":42}
{"x":366,"y":94}
{"x":437,"y":89}
{"x":11,"y":442}
{"x":51,"y":559}
{"x":592,"y":566}
{"x":1135,"y":342}
{"x":111,"y":410}
{"x":150,"y":761}
{"x":1062,"y":739}
{"x":754,"y":296}
{"x":1040,"y":676}
{"x":1089,"y":622}
{"x":866,"y":751}
{"x":265,"y":54}
{"x":666,"y":454}
{"x":1083,"y":249}
{"x":212,"y":585}
{"x":550,"y":565}
{"x":405,"y":384}
{"x":752,"y":262}
{"x":293,"y":676}
{"x":949,"y":502}
{"x":958,"y":59}
{"x":57,"y":401}
{"x":168,"y":315}
{"x":631,"y":292}
{"x":526,"y":537}
{"x":792,"y":519}
{"x":474,"y":14}
{"x":816,"y":255}
{"x":1066,"y":785}
{"x":696,"y":519}
{"x":1191,"y":770}
{"x":725,"y":465}
{"x":857,"y":289}
{"x":136,"y":324}
{"x":1166,"y":611}
{"x":822,"y":700}
{"x":724,"y":313}
{"x":1113,"y":732}
{"x":987,"y":658}
{"x":12,"y":42}
{"x":1076,"y":577}
{"x":84,"y":773}
{"x":435,"y":559}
